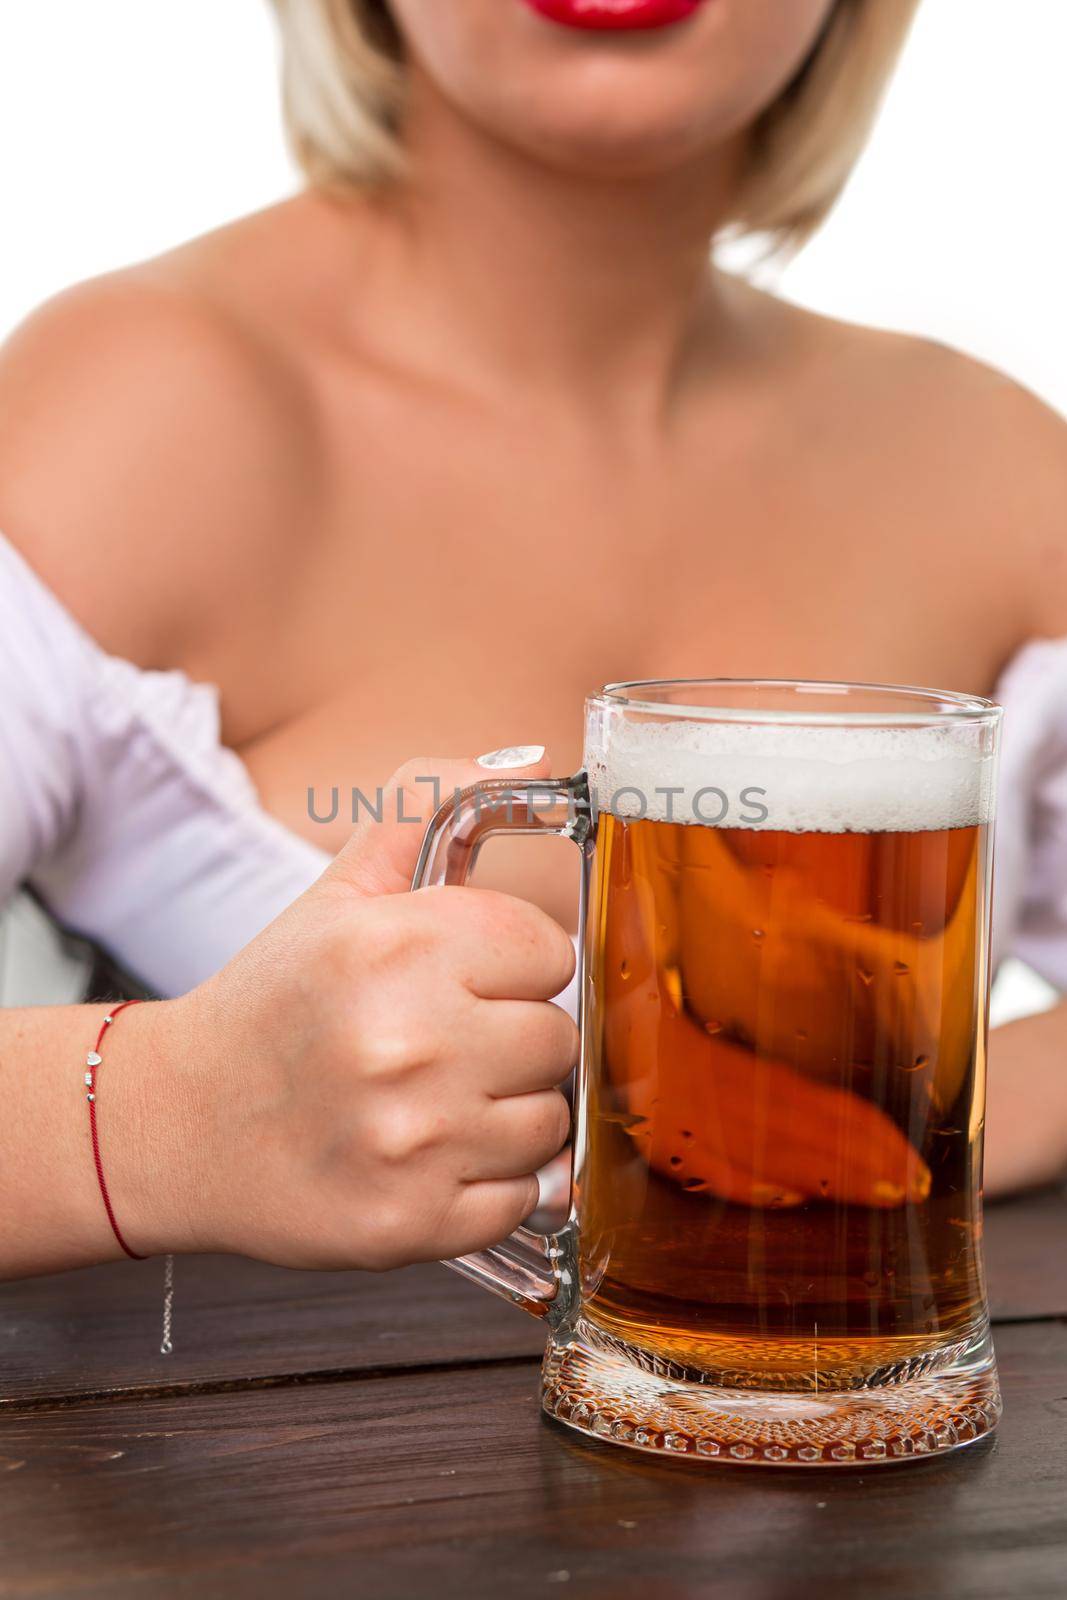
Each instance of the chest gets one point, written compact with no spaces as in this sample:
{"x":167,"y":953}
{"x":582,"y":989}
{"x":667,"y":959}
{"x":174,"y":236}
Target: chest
{"x":452,"y":598}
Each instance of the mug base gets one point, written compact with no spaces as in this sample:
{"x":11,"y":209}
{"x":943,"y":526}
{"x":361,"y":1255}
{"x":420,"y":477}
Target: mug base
{"x":610,"y":1398}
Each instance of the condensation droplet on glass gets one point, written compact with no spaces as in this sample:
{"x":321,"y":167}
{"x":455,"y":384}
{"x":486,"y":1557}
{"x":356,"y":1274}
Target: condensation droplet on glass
{"x":686,"y":1133}
{"x":713,"y":1027}
{"x":626,"y":863}
{"x":695,"y":1183}
{"x":866,"y":978}
{"x":901,"y":969}
{"x":624,"y":969}
{"x":628,"y":1121}
{"x":757,"y":934}
{"x":676,"y":1161}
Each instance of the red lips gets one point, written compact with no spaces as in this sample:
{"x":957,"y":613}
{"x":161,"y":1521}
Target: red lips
{"x":615,"y":14}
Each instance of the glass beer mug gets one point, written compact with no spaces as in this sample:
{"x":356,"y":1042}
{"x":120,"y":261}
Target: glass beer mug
{"x":773,"y":1253}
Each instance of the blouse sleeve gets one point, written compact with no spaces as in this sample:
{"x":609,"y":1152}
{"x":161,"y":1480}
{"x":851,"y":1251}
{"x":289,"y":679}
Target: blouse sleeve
{"x":1030,"y":880}
{"x":42,"y":680}
{"x":122,"y":809}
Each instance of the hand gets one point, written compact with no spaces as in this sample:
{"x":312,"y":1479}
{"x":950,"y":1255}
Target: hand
{"x":717,"y":1118}
{"x":1026,"y":1104}
{"x":376,"y":1075}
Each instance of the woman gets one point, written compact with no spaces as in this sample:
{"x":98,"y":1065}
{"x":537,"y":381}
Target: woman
{"x":473,"y":424}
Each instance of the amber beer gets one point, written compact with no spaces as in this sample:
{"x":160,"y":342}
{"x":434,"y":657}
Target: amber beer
{"x":783,"y":1104}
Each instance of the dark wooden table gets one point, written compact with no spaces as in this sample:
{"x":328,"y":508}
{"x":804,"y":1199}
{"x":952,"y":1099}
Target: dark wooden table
{"x":321,"y":1435}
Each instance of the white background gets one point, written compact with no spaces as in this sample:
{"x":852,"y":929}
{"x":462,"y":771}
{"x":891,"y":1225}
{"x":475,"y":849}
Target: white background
{"x":128,"y":125}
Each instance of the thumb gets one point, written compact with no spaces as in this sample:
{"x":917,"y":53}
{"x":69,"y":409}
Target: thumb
{"x":381,"y":854}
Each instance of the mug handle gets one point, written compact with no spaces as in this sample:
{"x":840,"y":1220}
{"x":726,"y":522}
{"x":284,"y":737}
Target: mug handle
{"x":531,"y":1270}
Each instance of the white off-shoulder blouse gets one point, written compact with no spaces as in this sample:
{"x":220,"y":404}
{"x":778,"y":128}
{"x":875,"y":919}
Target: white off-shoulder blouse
{"x":121,"y":808}
{"x":124,"y":813}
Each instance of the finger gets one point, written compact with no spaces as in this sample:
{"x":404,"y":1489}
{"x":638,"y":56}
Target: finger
{"x":505,"y":948}
{"x":529,"y":1044}
{"x":519,"y":1136}
{"x":849,"y":1147}
{"x":484,"y":1214}
{"x":785,"y":1134}
{"x":381,"y":855}
{"x":764,"y":1135}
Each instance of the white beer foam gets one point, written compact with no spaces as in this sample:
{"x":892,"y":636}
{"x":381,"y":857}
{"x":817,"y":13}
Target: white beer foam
{"x":829,"y":779}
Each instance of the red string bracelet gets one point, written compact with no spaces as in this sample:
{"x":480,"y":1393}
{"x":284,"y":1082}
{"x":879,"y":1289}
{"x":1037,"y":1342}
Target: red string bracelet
{"x":94,"y":1061}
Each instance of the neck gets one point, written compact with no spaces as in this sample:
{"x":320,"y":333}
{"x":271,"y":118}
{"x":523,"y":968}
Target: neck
{"x":601,"y":286}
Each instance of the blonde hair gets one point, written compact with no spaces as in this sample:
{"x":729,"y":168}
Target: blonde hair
{"x":343,"y":84}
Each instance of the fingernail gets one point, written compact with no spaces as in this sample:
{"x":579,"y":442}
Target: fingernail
{"x":513,"y":755}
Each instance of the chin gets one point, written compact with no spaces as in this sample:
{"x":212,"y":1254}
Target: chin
{"x":631,"y":130}
{"x":598,"y":102}
{"x":620,"y":154}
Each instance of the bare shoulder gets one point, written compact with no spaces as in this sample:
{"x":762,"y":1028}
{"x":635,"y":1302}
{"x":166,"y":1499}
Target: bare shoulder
{"x":995,"y":456}
{"x":153,"y":442}
{"x":983,"y":459}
